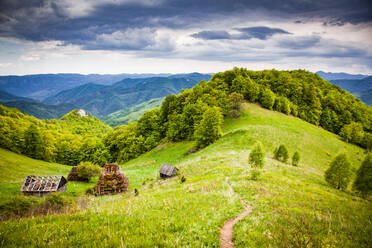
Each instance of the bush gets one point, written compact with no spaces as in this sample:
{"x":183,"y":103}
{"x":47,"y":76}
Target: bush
{"x":255,"y":174}
{"x":295,"y":159}
{"x":88,"y":170}
{"x":281,"y":153}
{"x":17,"y":206}
{"x":91,"y":190}
{"x":338,"y":174}
{"x":257,"y":156}
{"x":363,"y":181}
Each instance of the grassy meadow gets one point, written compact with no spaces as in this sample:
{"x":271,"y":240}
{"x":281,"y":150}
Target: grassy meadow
{"x":292,"y":206}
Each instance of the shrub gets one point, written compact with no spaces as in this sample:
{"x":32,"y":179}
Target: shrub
{"x":255,"y":174}
{"x":363,"y":181}
{"x":91,"y":190}
{"x":296,"y":158}
{"x":17,"y":206}
{"x":257,"y":156}
{"x":88,"y":170}
{"x":338,"y":174}
{"x":281,"y":153}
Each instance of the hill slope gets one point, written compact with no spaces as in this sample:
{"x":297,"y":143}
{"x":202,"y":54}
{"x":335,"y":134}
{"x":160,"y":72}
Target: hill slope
{"x":104,"y":100}
{"x":287,"y":201}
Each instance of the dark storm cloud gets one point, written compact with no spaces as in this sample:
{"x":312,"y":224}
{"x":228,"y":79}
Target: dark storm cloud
{"x":262,"y":33}
{"x":40,"y":20}
{"x":212,"y":35}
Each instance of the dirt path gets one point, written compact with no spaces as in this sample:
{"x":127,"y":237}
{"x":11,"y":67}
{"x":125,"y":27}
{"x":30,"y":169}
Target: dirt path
{"x":228,"y":228}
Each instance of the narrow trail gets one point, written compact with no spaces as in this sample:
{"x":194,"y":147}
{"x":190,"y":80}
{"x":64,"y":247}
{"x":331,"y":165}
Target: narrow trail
{"x":226,"y":233}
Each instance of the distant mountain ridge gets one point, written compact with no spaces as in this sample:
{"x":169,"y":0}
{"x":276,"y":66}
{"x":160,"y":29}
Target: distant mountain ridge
{"x":102,"y":100}
{"x":339,"y":75}
{"x":41,"y":86}
{"x":358,"y":85}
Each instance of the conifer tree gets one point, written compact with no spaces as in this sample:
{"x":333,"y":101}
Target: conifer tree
{"x":257,"y":156}
{"x":281,"y":153}
{"x":295,"y":159}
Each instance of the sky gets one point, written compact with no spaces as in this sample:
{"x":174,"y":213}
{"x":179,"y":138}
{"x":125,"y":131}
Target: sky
{"x":169,"y":36}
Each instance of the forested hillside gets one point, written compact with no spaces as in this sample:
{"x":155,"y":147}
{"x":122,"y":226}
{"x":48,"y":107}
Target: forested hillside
{"x":195,"y":114}
{"x":69,"y":140}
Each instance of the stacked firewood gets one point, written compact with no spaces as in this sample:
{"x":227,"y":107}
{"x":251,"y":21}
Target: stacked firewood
{"x":112,"y":181}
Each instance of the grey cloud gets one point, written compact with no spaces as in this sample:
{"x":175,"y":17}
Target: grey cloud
{"x":212,"y":35}
{"x":299,"y":42}
{"x":262,"y":33}
{"x":41,"y":20}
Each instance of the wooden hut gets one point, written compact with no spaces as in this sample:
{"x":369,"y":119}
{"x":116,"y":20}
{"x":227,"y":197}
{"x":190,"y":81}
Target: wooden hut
{"x":73,"y":175}
{"x":167,"y":170}
{"x":112,"y":181}
{"x":43,"y":185}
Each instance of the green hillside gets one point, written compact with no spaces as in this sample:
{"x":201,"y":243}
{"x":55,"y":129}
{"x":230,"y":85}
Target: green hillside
{"x":132,"y":113}
{"x":289,"y":204}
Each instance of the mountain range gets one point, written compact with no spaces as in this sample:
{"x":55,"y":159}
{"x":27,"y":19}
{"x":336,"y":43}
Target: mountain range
{"x":41,"y":86}
{"x":102,"y":100}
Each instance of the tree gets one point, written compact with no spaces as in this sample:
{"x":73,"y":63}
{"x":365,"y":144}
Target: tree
{"x":281,"y":153}
{"x":33,"y":143}
{"x":267,"y":98}
{"x":353,"y":133}
{"x":235,"y":101}
{"x":296,"y":158}
{"x":363,"y":181}
{"x":88,"y":170}
{"x":257,"y":156}
{"x":338,"y":174}
{"x":209,"y":128}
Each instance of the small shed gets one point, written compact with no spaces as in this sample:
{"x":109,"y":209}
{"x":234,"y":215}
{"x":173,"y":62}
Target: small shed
{"x":112,"y":181}
{"x":43,"y":185}
{"x":74,"y":176}
{"x":167,"y":170}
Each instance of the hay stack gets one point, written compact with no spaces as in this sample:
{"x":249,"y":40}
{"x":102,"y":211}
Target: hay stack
{"x":112,"y":181}
{"x":74,"y":176}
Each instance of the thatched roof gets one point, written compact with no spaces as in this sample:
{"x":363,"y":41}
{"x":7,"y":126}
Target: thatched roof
{"x":43,"y":183}
{"x":167,"y":170}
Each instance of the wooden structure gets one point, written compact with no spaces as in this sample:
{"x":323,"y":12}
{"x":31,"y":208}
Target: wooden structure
{"x":167,"y":170}
{"x":112,"y":181}
{"x":74,"y":176}
{"x":43,"y":185}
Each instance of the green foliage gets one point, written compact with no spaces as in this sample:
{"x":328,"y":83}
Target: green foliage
{"x":267,"y":98}
{"x":33,"y":143}
{"x":296,"y":158}
{"x":281,"y":153}
{"x":209,"y":128}
{"x":235,"y":101}
{"x":255,"y":174}
{"x":352,"y":133}
{"x":338,"y":174}
{"x":16,"y":206}
{"x":257,"y":156}
{"x":88,"y":170}
{"x":363,"y":181}
{"x":302,"y":94}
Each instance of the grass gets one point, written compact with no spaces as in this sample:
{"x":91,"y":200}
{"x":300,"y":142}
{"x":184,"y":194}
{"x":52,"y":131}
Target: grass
{"x":290,"y":204}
